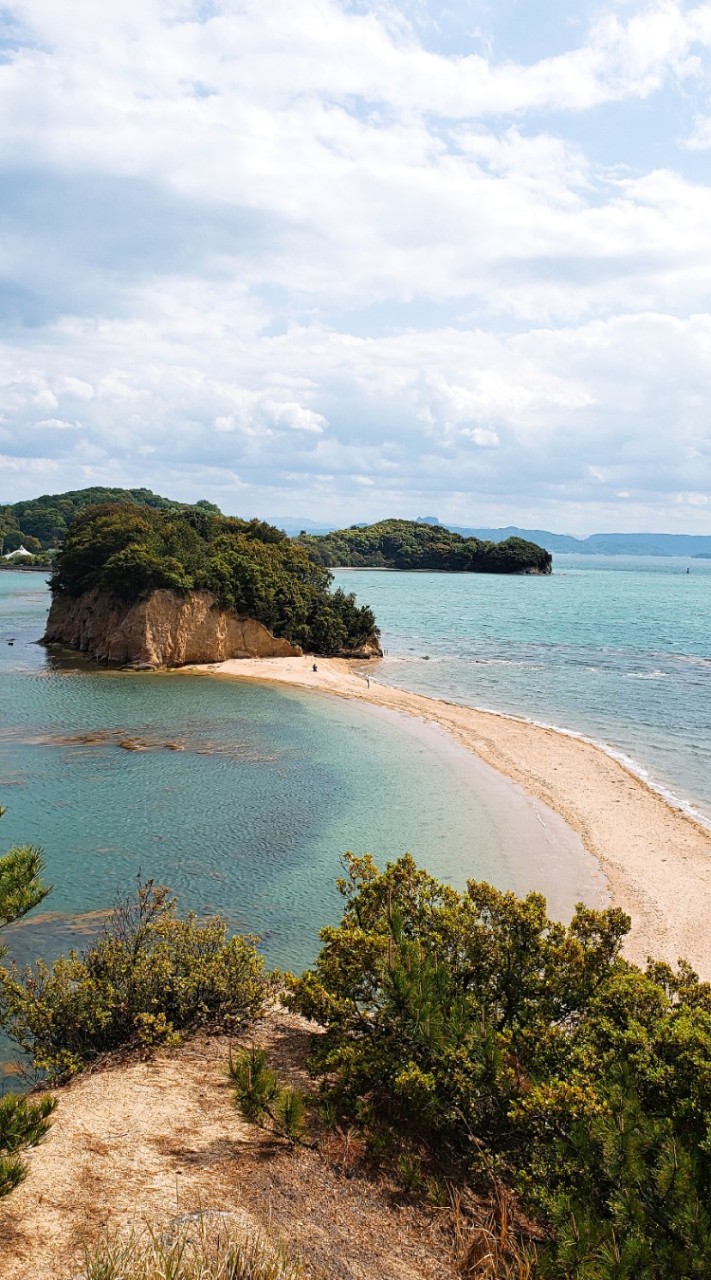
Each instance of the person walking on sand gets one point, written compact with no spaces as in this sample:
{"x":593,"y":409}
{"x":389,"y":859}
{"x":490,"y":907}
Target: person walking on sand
{"x":314,"y":668}
{"x":367,"y":681}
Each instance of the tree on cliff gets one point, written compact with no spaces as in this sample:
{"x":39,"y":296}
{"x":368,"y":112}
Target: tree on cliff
{"x":22,"y":1123}
{"x":249,"y":566}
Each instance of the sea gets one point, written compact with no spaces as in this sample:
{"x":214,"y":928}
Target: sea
{"x":243,"y":797}
{"x":616,"y":649}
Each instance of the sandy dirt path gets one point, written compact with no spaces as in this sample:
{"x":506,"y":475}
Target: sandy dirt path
{"x":158,"y":1140}
{"x":657,"y":858}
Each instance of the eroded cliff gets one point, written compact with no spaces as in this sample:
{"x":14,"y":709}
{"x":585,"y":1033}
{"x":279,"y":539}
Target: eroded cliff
{"x":162,"y":630}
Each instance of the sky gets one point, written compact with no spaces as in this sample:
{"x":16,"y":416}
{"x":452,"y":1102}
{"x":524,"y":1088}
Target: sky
{"x":346,"y":260}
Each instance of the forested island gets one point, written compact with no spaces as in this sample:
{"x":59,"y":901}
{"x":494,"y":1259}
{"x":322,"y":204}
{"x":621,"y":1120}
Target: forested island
{"x":41,"y":523}
{"x":153,"y":586}
{"x":408,"y":544}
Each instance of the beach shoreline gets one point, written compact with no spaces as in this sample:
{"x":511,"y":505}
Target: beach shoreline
{"x":655,"y":857}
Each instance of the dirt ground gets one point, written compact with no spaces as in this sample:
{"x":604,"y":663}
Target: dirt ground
{"x":154,"y":1140}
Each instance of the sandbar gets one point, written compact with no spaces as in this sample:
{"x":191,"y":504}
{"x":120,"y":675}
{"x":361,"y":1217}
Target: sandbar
{"x":655,"y":857}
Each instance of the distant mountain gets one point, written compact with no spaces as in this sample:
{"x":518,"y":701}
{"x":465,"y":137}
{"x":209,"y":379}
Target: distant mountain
{"x":294,"y":525}
{"x":543,"y":537}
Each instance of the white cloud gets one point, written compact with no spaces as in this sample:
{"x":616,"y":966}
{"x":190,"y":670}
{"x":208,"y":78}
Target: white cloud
{"x":296,"y":249}
{"x":57,"y":424}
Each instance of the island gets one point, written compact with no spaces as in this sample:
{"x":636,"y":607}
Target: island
{"x":412,"y":544}
{"x":152,"y":587}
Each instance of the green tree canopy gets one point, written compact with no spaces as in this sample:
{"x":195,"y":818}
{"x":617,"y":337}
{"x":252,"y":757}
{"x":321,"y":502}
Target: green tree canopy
{"x":501,"y":1048}
{"x":251,"y":567}
{"x":407,"y":544}
{"x":22,"y":1123}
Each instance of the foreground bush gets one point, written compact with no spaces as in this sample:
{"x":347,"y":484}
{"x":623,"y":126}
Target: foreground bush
{"x":148,"y":977}
{"x":479,"y":1043}
{"x":207,"y":1248}
{"x":22,"y":1124}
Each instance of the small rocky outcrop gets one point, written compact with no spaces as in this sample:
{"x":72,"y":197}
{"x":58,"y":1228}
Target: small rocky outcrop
{"x":371,"y":649}
{"x":162,"y":630}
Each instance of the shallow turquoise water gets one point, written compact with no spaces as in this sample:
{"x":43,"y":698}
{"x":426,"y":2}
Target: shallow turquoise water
{"x":615,"y":648}
{"x":271,"y":785}
{"x":251,"y":815}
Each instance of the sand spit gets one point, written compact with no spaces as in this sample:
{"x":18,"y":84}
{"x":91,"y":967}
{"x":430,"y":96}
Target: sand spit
{"x":656,"y":858}
{"x":161,"y":1140}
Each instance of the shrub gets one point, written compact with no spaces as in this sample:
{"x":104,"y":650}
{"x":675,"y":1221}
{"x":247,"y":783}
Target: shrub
{"x":500,"y":1048}
{"x":261,"y":1098}
{"x":147,"y":978}
{"x":22,"y":1124}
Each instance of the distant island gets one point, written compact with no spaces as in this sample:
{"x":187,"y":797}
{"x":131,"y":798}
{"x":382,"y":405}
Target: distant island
{"x":40,"y":524}
{"x":411,"y":544}
{"x":152,"y":586}
{"x":597,"y":544}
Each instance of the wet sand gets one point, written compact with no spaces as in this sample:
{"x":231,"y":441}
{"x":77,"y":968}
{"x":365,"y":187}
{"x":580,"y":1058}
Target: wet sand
{"x":655,"y":857}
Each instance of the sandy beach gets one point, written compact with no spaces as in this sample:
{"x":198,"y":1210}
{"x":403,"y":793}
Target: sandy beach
{"x":656,"y":858}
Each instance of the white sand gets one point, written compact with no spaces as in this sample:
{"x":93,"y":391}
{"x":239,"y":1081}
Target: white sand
{"x":656,"y":858}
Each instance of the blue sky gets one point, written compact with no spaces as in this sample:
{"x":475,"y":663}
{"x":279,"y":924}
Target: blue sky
{"x":346,"y":260}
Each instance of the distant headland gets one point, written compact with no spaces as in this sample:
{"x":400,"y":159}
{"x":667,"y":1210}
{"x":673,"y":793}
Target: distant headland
{"x":412,"y":544}
{"x":597,"y":544}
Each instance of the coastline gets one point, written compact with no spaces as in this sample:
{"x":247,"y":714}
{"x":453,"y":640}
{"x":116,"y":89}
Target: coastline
{"x":655,"y":856}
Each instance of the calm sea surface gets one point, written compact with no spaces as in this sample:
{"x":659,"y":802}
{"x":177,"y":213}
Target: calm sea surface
{"x":614,"y":648}
{"x":267,"y":787}
{"x":242,"y":797}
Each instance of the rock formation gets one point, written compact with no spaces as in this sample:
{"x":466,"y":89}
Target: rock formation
{"x":163,"y":630}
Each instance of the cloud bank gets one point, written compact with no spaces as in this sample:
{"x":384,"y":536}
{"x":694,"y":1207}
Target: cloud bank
{"x":336,"y":261}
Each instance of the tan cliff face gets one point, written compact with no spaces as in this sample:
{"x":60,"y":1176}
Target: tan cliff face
{"x":164,"y":630}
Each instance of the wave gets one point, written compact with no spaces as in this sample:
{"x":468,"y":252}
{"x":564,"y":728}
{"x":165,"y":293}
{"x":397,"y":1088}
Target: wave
{"x":632,"y":765}
{"x":646,"y":675}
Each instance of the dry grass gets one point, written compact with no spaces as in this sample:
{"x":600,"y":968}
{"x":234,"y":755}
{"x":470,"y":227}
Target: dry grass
{"x":203,"y":1247}
{"x":486,"y":1246}
{"x":149,"y":1141}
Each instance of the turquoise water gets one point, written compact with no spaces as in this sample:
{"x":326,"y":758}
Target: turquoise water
{"x":614,"y":648}
{"x":269,"y":786}
{"x":250,"y":815}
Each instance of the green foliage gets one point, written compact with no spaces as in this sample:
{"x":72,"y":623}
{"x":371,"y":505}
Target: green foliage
{"x":21,"y":887}
{"x":471,"y":1033}
{"x":260,"y":1097}
{"x":405,"y":544}
{"x":22,"y":1123}
{"x":250,"y":567}
{"x":148,"y":977}
{"x":45,"y":520}
{"x":256,"y":1085}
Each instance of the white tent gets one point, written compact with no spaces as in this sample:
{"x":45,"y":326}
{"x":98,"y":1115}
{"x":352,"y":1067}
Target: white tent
{"x":21,"y":551}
